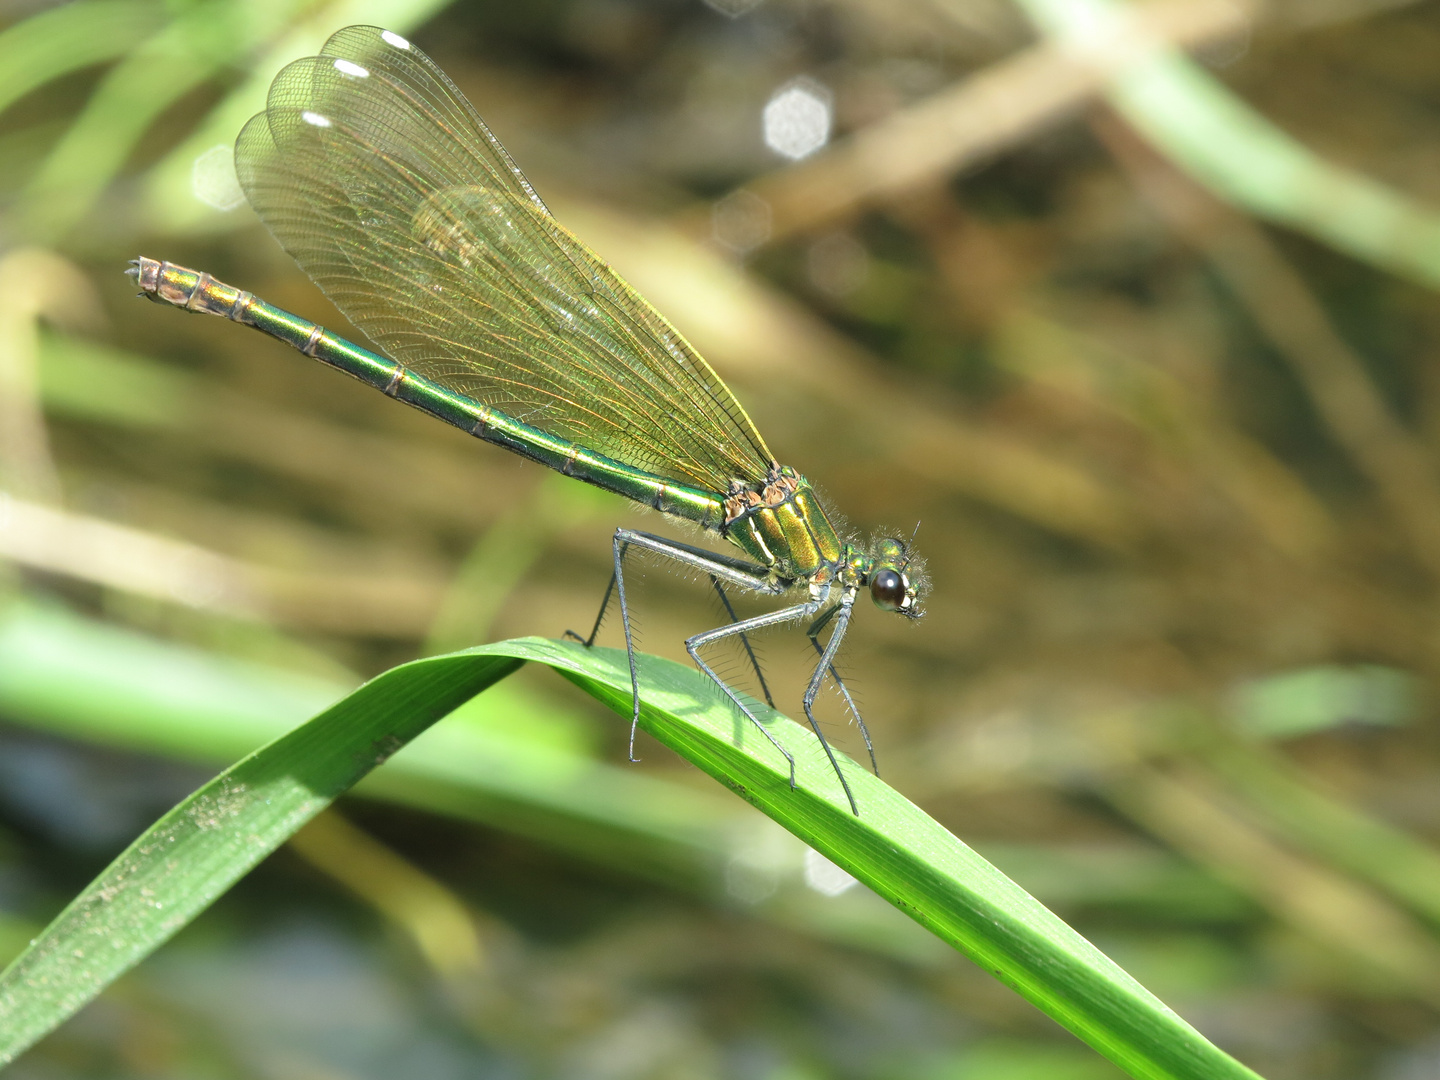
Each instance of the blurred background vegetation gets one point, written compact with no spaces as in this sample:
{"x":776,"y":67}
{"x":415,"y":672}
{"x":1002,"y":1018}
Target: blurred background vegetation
{"x":1148,"y":345}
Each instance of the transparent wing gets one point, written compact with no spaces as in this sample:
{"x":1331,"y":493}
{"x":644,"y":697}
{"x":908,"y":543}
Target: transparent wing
{"x":381,"y":181}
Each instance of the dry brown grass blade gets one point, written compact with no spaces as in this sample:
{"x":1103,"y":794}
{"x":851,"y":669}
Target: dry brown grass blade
{"x":1002,"y":106}
{"x":1288,"y":314}
{"x":426,"y":910}
{"x":1187,"y":810}
{"x":34,"y":284}
{"x":143,"y":563}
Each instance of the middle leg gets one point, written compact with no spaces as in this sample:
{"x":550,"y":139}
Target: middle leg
{"x":695,"y":644}
{"x":841,"y":614}
{"x":744,"y":641}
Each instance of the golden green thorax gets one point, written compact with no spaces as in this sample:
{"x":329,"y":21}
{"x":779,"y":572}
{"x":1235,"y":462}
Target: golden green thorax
{"x":782,"y":525}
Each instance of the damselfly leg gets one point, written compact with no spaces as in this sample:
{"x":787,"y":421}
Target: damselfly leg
{"x":744,"y":641}
{"x":754,"y":660}
{"x":841,"y":614}
{"x":723,"y":570}
{"x":813,"y":633}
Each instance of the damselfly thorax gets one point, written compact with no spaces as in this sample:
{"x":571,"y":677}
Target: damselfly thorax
{"x":782,"y":525}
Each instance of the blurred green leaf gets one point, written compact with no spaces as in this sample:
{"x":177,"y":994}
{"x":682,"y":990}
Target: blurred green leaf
{"x":1291,"y":805}
{"x":1129,"y":877}
{"x":191,"y":49}
{"x":99,"y":382}
{"x":1320,"y":698}
{"x":1222,"y":142}
{"x":1000,"y":1059}
{"x":70,"y":37}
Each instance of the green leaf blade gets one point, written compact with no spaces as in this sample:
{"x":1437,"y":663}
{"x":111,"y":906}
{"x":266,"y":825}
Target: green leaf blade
{"x":213,"y":838}
{"x":917,"y":865}
{"x":197,"y":850}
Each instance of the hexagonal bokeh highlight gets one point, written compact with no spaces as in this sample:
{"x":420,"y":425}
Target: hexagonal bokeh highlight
{"x":796,"y":119}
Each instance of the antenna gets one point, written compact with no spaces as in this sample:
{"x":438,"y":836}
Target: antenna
{"x":910,"y":547}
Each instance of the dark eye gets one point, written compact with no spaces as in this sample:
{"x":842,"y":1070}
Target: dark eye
{"x":888,"y":589}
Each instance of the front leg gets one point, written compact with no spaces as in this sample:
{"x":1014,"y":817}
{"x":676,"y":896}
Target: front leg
{"x":693,"y":646}
{"x":813,"y":633}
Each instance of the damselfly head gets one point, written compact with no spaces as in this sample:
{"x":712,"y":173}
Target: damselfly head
{"x":890,"y":579}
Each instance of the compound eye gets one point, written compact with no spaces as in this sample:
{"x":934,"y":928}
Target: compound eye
{"x":889,"y":590}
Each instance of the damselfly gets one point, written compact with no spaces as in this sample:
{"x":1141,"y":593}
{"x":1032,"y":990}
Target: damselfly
{"x":377,"y":176}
